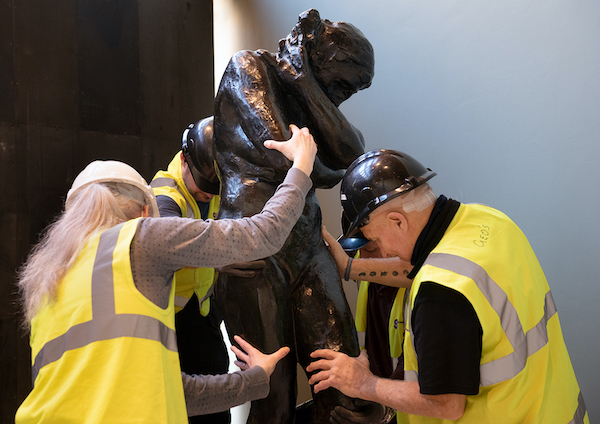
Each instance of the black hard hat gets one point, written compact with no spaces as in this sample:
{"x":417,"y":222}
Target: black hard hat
{"x":197,"y":148}
{"x":374,"y":178}
{"x":353,"y":243}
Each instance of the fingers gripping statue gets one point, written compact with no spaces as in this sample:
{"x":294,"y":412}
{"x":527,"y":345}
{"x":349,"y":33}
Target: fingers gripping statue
{"x":297,"y":299}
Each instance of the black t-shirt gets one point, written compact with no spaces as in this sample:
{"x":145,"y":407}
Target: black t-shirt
{"x":169,"y":207}
{"x":447,"y":332}
{"x":447,"y":341}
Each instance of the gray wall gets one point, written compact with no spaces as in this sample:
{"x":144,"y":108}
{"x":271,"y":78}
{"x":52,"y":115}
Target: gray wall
{"x":502,"y":100}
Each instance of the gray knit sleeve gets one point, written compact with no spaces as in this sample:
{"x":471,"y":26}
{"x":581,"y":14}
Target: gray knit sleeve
{"x":207,"y":394}
{"x":174,"y":243}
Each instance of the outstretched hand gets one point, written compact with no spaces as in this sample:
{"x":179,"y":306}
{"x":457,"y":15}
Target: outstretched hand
{"x":250,"y":356}
{"x":301,"y":148}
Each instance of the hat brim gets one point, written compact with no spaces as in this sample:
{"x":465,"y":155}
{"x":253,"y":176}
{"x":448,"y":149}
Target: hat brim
{"x":352,"y":244}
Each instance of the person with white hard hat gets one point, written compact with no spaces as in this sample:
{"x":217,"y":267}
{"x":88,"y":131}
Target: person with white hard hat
{"x":99,"y":300}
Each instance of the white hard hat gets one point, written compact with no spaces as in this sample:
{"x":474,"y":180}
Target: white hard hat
{"x":102,"y":171}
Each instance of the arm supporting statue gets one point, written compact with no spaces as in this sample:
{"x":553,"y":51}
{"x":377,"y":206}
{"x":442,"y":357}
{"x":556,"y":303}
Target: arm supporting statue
{"x":353,"y":378}
{"x":387,"y":271}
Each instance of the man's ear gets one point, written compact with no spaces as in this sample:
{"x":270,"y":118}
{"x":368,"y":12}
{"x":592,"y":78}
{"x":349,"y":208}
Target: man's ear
{"x":398,"y":220}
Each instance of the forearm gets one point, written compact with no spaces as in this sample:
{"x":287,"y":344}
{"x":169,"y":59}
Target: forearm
{"x":169,"y":244}
{"x":207,"y":394}
{"x":405,"y":396}
{"x":387,"y":271}
{"x":263,"y":234}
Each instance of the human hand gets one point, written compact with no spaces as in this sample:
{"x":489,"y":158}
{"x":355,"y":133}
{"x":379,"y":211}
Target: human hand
{"x":349,"y":375}
{"x":250,"y":356}
{"x":301,"y":148}
{"x":337,"y":251}
{"x":243,"y":269}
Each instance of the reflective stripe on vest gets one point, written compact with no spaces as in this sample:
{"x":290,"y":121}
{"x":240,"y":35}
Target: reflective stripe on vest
{"x":526,"y":375}
{"x":580,"y":412}
{"x":181,"y":301}
{"x":170,"y":182}
{"x":524,"y":345}
{"x":103,"y":306}
{"x":208,"y":294}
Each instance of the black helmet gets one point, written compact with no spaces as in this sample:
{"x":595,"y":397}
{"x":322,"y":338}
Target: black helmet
{"x":197,"y":148}
{"x":352,"y":243}
{"x":374,"y":178}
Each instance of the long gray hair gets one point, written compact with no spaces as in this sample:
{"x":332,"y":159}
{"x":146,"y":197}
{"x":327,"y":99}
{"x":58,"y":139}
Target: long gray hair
{"x":93,"y":209}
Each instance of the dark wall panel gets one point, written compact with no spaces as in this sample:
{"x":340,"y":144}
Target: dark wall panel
{"x":9,"y":219}
{"x":175,"y":65}
{"x":94,"y":145}
{"x":48,"y":173}
{"x":195,"y":56}
{"x":108,"y":64}
{"x":7,"y":64}
{"x":82,"y":80}
{"x":44,"y":62}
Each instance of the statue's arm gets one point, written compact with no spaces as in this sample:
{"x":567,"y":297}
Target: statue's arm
{"x":246,"y":86}
{"x":338,"y":140}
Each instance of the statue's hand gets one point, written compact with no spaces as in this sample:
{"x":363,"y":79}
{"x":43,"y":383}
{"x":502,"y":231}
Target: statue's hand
{"x":291,"y":69}
{"x":292,"y":62}
{"x":243,"y":269}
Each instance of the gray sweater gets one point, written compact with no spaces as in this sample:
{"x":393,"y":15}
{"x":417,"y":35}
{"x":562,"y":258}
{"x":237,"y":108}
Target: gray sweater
{"x":164,"y":245}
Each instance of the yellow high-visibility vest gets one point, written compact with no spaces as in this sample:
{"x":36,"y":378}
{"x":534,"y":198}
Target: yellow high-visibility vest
{"x":104,"y":353}
{"x":187,"y":280}
{"x":526,"y":373}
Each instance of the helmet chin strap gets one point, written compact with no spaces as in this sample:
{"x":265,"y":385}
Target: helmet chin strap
{"x":423,"y":200}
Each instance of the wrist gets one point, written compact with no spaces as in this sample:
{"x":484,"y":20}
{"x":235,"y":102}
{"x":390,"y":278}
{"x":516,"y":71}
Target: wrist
{"x":348,"y":268}
{"x":305,"y":166}
{"x":368,"y":389}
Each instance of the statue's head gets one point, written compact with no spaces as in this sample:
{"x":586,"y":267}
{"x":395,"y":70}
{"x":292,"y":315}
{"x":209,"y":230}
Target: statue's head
{"x":340,"y":56}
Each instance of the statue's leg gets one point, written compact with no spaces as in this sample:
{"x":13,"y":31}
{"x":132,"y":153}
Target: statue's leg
{"x":258,"y":310}
{"x":323,"y":319}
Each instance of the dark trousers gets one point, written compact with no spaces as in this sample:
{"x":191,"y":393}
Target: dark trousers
{"x":202,"y":349}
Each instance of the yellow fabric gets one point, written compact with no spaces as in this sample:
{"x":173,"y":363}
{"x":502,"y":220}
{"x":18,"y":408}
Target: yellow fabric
{"x":104,"y":379}
{"x":188,"y":280}
{"x":361,"y":307}
{"x":396,"y":326}
{"x":396,"y":323}
{"x":546,"y":389}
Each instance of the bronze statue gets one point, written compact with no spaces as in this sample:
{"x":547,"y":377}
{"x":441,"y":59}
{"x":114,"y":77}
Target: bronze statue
{"x":297,"y":299}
